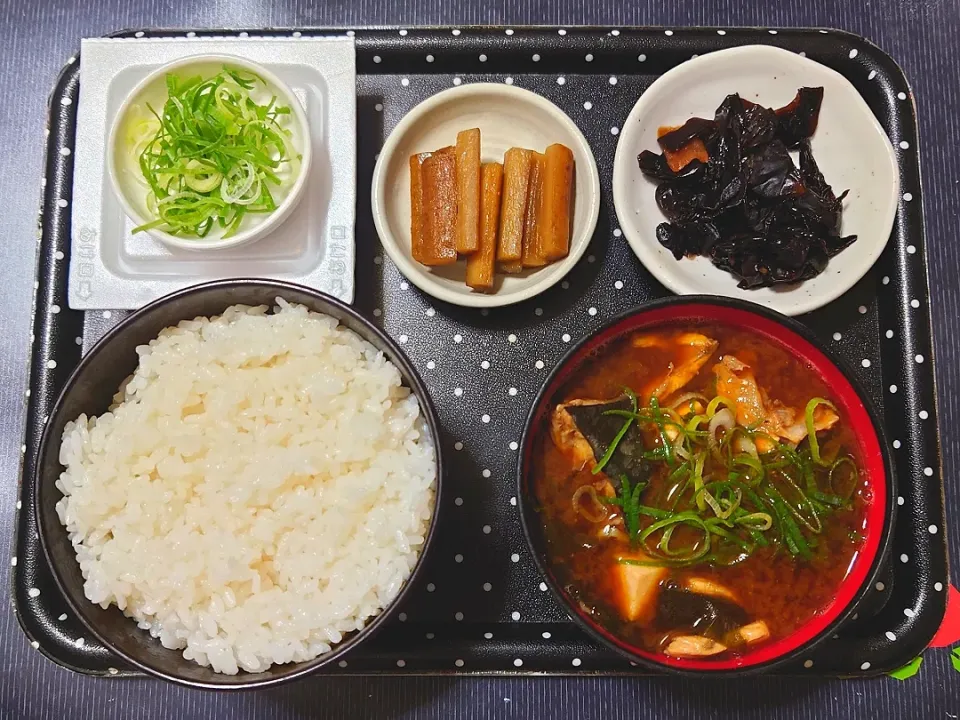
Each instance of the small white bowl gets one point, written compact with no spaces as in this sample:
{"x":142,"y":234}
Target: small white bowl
{"x":850,"y":147}
{"x":507,"y":117}
{"x":128,"y":184}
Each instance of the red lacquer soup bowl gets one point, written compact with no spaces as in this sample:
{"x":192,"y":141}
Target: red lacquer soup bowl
{"x":854,"y":407}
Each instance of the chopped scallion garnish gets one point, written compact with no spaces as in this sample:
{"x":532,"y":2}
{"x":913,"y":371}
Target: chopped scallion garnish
{"x":212,"y":154}
{"x":721,"y":499}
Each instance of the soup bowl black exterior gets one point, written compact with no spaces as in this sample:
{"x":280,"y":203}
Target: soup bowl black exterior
{"x":90,"y":390}
{"x":533,"y":526}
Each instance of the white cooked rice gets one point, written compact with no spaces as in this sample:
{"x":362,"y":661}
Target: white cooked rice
{"x":261,"y":486}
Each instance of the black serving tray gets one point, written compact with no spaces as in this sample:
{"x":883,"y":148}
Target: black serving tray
{"x":479,"y":605}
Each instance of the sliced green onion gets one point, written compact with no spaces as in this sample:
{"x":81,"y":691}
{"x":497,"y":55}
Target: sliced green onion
{"x":811,"y":430}
{"x":791,"y":531}
{"x":828,"y":499}
{"x":661,"y":427}
{"x":619,"y":436}
{"x":721,"y":531}
{"x":854,"y":475}
{"x":756,"y":521}
{"x":677,"y":483}
{"x":815,"y":525}
{"x":715,"y":404}
{"x":653,"y":512}
{"x":686,"y":398}
{"x":663,"y":562}
{"x":698,"y":481}
{"x":733,"y":498}
{"x":752,"y":463}
{"x":688,"y":518}
{"x":212,"y":153}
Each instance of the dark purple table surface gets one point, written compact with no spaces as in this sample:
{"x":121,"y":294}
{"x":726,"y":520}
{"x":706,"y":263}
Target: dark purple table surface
{"x":37,"y":38}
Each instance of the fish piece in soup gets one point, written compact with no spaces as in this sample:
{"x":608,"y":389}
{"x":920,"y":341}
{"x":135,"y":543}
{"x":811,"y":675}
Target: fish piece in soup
{"x":691,"y":351}
{"x":708,"y":587}
{"x":736,"y":381}
{"x":791,"y":425}
{"x":754,"y":632}
{"x":693,"y":646}
{"x":567,"y":436}
{"x":583,"y":429}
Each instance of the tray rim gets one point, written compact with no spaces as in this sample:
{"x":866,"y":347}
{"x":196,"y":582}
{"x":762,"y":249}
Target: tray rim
{"x":70,"y":71}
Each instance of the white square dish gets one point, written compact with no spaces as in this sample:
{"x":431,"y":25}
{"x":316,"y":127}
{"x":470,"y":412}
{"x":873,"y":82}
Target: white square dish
{"x":110,"y":267}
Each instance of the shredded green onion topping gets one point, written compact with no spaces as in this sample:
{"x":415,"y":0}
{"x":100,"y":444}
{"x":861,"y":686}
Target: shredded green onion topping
{"x":212,"y":153}
{"x":723,"y":499}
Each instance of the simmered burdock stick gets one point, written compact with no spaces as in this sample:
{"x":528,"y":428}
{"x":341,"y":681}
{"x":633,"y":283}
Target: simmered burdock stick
{"x":468,"y":191}
{"x":416,"y":206}
{"x":439,"y":213}
{"x":517,"y":163}
{"x":480,"y":265}
{"x":557,"y":197}
{"x":532,"y":251}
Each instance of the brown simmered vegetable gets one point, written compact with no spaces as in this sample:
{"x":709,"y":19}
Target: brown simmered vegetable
{"x":480,"y":265}
{"x":416,"y":206}
{"x":468,"y":190}
{"x":497,"y":217}
{"x":513,"y":211}
{"x":438,"y":177}
{"x":556,"y":202}
{"x":532,"y":247}
{"x":797,"y":120}
{"x":681,"y":145}
{"x":743,"y":202}
{"x":673,"y":139}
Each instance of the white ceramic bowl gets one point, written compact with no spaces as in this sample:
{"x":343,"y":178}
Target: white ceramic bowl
{"x":128,"y":184}
{"x":507,"y":117}
{"x":850,"y":147}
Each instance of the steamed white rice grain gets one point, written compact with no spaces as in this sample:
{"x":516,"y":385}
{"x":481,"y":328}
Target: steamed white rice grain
{"x":261,"y":486}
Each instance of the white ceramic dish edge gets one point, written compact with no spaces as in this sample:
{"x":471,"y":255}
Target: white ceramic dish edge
{"x":543,"y":278}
